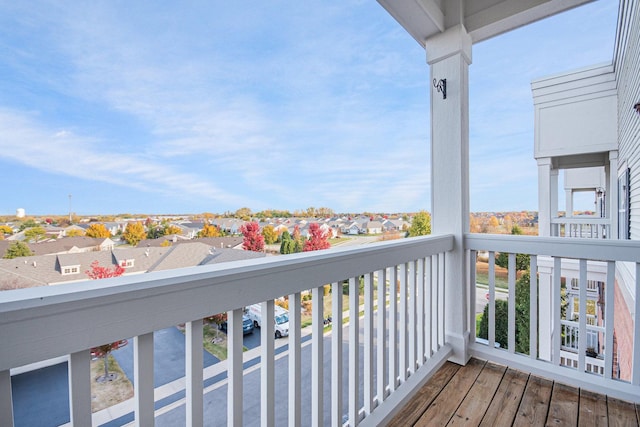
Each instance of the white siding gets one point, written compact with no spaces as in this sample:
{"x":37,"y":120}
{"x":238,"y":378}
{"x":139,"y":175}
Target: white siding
{"x":627,"y":65}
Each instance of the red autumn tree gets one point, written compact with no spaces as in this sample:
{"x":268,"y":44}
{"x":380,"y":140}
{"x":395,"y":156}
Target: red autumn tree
{"x":318,"y":239}
{"x":99,"y":272}
{"x":253,"y":239}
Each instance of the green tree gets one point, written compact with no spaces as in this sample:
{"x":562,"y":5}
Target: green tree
{"x":17,"y":249}
{"x":286,"y":243}
{"x":133,"y":233}
{"x":421,"y":224}
{"x":97,"y":230}
{"x":502,"y":318}
{"x":270,"y":235}
{"x":522,"y":260}
{"x":28,"y":224}
{"x":34,"y":234}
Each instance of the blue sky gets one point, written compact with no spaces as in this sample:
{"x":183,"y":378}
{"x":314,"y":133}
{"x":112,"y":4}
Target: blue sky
{"x":169,"y":107}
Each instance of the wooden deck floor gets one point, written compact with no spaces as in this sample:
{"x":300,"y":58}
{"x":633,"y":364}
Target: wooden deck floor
{"x":486,"y":394}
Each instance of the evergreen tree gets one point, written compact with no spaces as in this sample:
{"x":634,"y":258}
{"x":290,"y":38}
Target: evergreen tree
{"x":17,"y":249}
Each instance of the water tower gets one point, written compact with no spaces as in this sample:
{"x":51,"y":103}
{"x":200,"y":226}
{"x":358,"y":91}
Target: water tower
{"x":20,"y":213}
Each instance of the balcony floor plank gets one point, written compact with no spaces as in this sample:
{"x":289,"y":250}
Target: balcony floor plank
{"x":621,"y":413}
{"x":593,"y":410}
{"x":425,"y":396}
{"x":563,"y":408}
{"x":479,"y":398}
{"x":445,"y":405}
{"x":535,"y":403}
{"x":506,"y":401}
{"x":487,"y":394}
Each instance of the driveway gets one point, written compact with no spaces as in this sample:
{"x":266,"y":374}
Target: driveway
{"x":168,"y":357}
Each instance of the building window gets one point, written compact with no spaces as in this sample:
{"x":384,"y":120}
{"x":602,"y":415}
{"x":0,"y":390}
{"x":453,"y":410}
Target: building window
{"x":126,"y":263}
{"x":70,"y":270}
{"x":624,"y":201}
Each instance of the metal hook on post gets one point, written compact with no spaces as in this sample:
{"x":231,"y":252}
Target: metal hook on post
{"x":441,"y":86}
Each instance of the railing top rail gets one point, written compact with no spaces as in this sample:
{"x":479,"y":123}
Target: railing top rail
{"x":590,"y":249}
{"x":581,"y":220}
{"x":40,"y":323}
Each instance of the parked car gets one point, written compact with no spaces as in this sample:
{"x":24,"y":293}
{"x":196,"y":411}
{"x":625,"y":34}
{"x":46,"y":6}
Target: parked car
{"x":281,"y":319}
{"x":247,"y":325}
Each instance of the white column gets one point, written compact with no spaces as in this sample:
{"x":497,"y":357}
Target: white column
{"x":193,"y":373}
{"x":80,"y":388}
{"x":449,"y":56}
{"x":568,"y":202}
{"x":143,"y":374}
{"x":547,"y":195}
{"x":545,"y":310}
{"x":611,"y":194}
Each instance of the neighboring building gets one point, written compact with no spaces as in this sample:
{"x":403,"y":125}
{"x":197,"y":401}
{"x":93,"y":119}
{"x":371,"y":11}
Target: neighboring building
{"x":43,"y":270}
{"x":587,"y":126}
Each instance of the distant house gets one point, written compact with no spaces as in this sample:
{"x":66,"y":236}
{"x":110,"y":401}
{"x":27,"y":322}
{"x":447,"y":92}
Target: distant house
{"x":372,"y":227}
{"x":352,"y":228}
{"x":76,"y":244}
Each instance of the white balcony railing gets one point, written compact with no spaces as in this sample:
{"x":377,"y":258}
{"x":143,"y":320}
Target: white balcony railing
{"x":395,"y":341}
{"x":403,"y":334}
{"x":585,"y":228}
{"x":544,"y":353}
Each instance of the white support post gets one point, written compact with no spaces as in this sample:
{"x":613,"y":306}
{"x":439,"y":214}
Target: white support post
{"x":194,"y":373}
{"x":234,"y":368}
{"x":428,"y":304}
{"x":267,"y":364}
{"x":582,"y":316}
{"x":402,"y":344}
{"x":611,"y":195}
{"x":80,"y":388}
{"x":512,"y":304}
{"x":368,"y":344}
{"x":557,"y":325}
{"x":492,"y":300}
{"x":533,"y":308}
{"x":317,"y":360}
{"x":143,"y":374}
{"x":295,"y":370}
{"x":420,"y":324}
{"x":336,"y":355}
{"x":546,"y":309}
{"x":6,"y":401}
{"x":411,"y":326}
{"x":547,"y":196}
{"x":354,"y":352}
{"x":382,"y":370}
{"x":393,"y":328}
{"x":449,"y":56}
{"x":609,"y":310}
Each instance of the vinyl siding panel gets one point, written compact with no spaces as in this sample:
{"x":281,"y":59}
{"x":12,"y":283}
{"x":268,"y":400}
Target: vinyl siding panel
{"x":627,"y":65}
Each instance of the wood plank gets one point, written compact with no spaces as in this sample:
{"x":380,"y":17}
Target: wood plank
{"x":535,"y":403}
{"x":420,"y":401}
{"x":593,"y":409}
{"x":563,"y":408}
{"x":445,"y":405}
{"x":475,"y":404}
{"x":621,"y":413}
{"x":506,"y":401}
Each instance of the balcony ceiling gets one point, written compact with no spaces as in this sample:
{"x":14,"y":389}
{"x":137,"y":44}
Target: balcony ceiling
{"x":483,"y":19}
